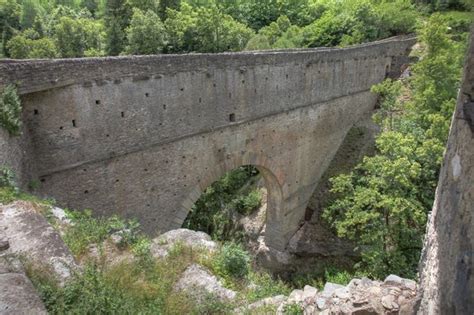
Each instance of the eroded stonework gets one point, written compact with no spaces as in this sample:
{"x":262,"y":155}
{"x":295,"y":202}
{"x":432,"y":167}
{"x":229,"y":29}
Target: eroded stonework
{"x":142,"y":137}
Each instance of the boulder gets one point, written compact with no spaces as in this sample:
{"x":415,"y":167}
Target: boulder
{"x":18,"y":296}
{"x":330,"y":288}
{"x":393,"y":280}
{"x":198,"y":283}
{"x":162,"y":244}
{"x":30,"y":235}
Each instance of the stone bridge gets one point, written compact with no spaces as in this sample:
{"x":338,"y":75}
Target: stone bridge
{"x":144,"y":136}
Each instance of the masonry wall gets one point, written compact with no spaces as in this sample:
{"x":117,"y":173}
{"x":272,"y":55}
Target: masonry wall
{"x":143,"y":136}
{"x":447,"y":280}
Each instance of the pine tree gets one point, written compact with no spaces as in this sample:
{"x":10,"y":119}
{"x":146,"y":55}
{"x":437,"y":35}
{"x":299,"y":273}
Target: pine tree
{"x":117,"y":18}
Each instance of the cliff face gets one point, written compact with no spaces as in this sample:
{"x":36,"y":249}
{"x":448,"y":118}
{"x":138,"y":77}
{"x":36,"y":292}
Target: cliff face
{"x":447,"y":283}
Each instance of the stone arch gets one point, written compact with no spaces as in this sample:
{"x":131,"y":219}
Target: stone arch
{"x":273,"y":182}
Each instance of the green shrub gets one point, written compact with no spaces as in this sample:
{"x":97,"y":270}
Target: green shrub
{"x":88,"y":230}
{"x":7,"y":177}
{"x":248,"y":203}
{"x":10,"y":110}
{"x":293,"y":309}
{"x":232,"y":261}
{"x":264,"y":286}
{"x":337,"y":276}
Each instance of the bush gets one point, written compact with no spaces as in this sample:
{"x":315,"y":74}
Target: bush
{"x":7,"y":177}
{"x":265,"y":285}
{"x":88,"y":230}
{"x":232,"y":261}
{"x":248,"y":203}
{"x":10,"y":110}
{"x":337,"y":276}
{"x":293,"y":309}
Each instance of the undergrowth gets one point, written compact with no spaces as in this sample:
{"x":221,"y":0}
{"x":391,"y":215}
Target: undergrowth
{"x":145,"y":285}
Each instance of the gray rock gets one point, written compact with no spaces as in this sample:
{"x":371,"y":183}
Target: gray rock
{"x":309,"y":292}
{"x":4,"y":243}
{"x":296,"y":296}
{"x":388,"y":301}
{"x":342,"y":293}
{"x":329,"y":289}
{"x":354,"y":283}
{"x":321,"y":303}
{"x":409,"y":284}
{"x":18,"y":296}
{"x":162,"y":244}
{"x":199,"y":282}
{"x":271,"y":258}
{"x":393,"y":280}
{"x":11,"y":264}
{"x":31,"y":236}
{"x":60,"y":216}
{"x":366,"y":282}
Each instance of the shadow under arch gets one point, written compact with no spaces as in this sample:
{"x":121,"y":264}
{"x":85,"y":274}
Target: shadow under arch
{"x":273,"y":183}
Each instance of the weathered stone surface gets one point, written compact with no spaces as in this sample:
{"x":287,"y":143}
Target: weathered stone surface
{"x":163,"y":243}
{"x":360,"y":297}
{"x":393,"y":280}
{"x":198,"y":282}
{"x":330,"y":288}
{"x":144,"y":136}
{"x":30,"y":235}
{"x":10,"y":264}
{"x":18,"y":296}
{"x":272,"y":258}
{"x":447,"y":262}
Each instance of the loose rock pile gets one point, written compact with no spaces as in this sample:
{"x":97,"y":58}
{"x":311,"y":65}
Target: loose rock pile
{"x":395,"y":295}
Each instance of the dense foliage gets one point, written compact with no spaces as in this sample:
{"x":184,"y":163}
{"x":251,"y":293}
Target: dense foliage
{"x":214,"y":211}
{"x":383,"y":203}
{"x":10,"y":110}
{"x":82,"y":28}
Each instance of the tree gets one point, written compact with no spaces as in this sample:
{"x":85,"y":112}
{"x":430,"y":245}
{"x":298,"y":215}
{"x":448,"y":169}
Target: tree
{"x":204,"y":30}
{"x":29,"y":10}
{"x":168,"y":4}
{"x":75,"y":36}
{"x":91,"y":5}
{"x":217,"y":32}
{"x":10,"y":12}
{"x":292,"y":38}
{"x":258,"y":42}
{"x":145,"y":5}
{"x":117,"y":19}
{"x":23,"y":46}
{"x":383,"y":203}
{"x":146,"y":34}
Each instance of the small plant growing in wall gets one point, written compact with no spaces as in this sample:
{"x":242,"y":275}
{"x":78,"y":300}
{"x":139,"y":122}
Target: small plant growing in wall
{"x":7,"y":177}
{"x":10,"y":110}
